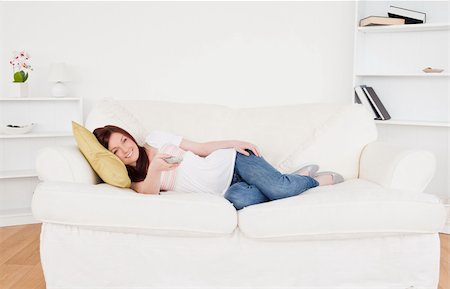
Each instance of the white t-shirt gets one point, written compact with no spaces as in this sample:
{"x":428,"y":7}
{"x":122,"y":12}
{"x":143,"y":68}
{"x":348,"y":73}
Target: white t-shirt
{"x":211,"y":174}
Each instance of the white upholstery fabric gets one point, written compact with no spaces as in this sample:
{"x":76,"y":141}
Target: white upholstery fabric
{"x":64,"y":164}
{"x":354,"y":208}
{"x":397,"y":167}
{"x":375,"y":231}
{"x":334,"y":135}
{"x":108,"y":111}
{"x":331,"y":135}
{"x":75,"y":257}
{"x":107,"y":206}
{"x":336,"y":145}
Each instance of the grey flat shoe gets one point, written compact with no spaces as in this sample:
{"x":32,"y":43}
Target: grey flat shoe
{"x":336,"y":178}
{"x":310,"y":169}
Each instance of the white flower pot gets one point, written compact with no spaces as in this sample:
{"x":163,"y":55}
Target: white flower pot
{"x":19,"y":89}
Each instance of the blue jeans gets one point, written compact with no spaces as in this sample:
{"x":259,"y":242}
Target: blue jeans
{"x":255,"y":181}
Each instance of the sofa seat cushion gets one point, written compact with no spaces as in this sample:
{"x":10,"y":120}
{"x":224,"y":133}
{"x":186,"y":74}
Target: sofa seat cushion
{"x":354,"y":208}
{"x":109,"y":208}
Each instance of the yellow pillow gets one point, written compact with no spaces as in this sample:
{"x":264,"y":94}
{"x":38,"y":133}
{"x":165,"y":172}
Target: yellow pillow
{"x":107,"y":165}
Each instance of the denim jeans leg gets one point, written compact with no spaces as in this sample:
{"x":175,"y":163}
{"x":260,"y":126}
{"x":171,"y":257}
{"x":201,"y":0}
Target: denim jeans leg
{"x":273,"y":184}
{"x":242,"y":195}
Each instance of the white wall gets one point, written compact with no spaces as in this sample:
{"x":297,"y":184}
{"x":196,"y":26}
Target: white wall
{"x":233,"y":53}
{"x":4,"y":63}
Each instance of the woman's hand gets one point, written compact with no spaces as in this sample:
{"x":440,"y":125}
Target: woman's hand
{"x":241,"y":146}
{"x":159,"y":164}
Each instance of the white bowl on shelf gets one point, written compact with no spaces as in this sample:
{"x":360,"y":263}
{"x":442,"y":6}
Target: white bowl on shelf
{"x":17,"y":129}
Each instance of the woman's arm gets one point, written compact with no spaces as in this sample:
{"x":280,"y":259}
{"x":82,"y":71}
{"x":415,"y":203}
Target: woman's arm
{"x":150,"y":185}
{"x":206,"y":148}
{"x":152,"y":182}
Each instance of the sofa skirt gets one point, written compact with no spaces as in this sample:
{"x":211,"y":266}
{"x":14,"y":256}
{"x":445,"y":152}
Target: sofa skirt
{"x":79,"y":257}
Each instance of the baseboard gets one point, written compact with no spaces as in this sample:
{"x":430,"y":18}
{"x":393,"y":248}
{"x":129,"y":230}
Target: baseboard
{"x":446,"y":229}
{"x":17,"y":217}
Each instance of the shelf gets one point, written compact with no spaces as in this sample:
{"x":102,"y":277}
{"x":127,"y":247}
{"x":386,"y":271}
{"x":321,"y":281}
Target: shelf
{"x":405,"y":28}
{"x":413,"y":123}
{"x":52,"y":117}
{"x":36,"y":135}
{"x":403,"y":75}
{"x":18,"y":174}
{"x":40,"y":99}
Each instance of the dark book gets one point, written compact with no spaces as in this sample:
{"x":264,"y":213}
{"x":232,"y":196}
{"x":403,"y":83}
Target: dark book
{"x":380,"y":20}
{"x":361,"y":98}
{"x":410,"y":16}
{"x":376,"y":102}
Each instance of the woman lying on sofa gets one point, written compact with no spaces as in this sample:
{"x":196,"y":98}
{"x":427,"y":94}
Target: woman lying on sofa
{"x":232,"y":168}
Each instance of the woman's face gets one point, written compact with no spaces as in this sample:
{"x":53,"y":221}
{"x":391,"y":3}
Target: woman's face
{"x":123,"y":147}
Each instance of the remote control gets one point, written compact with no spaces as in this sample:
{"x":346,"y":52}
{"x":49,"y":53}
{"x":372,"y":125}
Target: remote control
{"x":173,"y":160}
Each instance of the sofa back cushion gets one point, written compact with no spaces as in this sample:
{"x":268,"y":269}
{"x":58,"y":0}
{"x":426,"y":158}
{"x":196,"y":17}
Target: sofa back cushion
{"x":337,"y":143}
{"x":332,"y":135}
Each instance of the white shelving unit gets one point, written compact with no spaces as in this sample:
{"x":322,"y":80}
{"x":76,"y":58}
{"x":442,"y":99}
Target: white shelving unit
{"x":18,"y":178}
{"x":413,"y":123}
{"x":37,"y":135}
{"x":29,"y":99}
{"x":402,"y":75}
{"x":405,"y":28}
{"x":390,"y":59}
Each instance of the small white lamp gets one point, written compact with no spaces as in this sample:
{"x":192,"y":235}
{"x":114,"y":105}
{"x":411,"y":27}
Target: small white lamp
{"x":59,"y":75}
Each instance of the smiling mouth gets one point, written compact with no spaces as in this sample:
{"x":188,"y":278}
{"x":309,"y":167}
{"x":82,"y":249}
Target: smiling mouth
{"x":129,"y":155}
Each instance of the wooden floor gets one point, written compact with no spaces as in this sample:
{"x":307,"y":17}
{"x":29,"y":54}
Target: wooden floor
{"x":20,"y":266}
{"x":444,"y":277}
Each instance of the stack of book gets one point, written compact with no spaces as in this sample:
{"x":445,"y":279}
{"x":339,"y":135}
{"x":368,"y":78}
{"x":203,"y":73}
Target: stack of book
{"x":397,"y":16}
{"x":366,"y":96}
{"x":410,"y":16}
{"x":380,"y":20}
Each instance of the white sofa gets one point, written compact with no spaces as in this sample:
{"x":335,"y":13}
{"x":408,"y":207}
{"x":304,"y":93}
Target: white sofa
{"x":376,"y":230}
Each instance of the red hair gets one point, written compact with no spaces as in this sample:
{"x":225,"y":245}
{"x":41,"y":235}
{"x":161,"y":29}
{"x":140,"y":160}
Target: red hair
{"x":137,"y":173}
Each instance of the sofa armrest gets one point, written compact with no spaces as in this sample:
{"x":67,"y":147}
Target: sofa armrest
{"x":397,"y":167}
{"x":64,"y":164}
